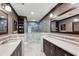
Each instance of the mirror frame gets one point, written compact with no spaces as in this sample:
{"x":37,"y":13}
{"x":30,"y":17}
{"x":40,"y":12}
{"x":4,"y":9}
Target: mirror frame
{"x":73,"y":28}
{"x":6,"y":25}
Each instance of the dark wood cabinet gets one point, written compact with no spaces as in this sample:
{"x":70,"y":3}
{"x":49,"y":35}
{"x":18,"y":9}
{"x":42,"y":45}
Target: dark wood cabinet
{"x":53,"y":50}
{"x":68,"y":54}
{"x":21,"y":24}
{"x":60,"y":52}
{"x":48,"y":48}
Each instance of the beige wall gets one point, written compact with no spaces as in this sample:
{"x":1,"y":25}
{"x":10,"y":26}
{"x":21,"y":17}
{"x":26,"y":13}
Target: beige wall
{"x":62,"y":8}
{"x":68,"y":23}
{"x":11,"y":17}
{"x":44,"y":25}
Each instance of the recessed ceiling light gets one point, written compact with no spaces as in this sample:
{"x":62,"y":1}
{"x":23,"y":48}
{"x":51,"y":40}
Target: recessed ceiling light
{"x":33,"y":19}
{"x":51,"y":15}
{"x":32,"y":13}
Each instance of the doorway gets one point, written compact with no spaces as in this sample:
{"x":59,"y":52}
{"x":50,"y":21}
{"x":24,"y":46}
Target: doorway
{"x":33,"y":27}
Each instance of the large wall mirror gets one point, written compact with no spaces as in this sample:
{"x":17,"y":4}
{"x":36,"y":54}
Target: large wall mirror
{"x":75,"y":27}
{"x":54,"y":26}
{"x":3,"y":22}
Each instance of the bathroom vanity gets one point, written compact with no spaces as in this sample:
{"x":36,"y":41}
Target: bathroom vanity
{"x":60,"y":45}
{"x":12,"y":48}
{"x":52,"y":50}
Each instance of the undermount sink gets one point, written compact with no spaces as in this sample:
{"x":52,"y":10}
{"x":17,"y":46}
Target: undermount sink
{"x":4,"y":42}
{"x":7,"y":41}
{"x":77,"y":40}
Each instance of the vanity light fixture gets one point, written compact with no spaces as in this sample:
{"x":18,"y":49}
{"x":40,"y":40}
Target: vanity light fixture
{"x":51,"y":15}
{"x":76,"y":20}
{"x":72,"y":3}
{"x":8,"y":8}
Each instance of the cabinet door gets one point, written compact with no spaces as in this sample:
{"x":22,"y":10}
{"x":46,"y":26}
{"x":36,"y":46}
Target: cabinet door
{"x":46,"y":47}
{"x":52,"y":49}
{"x":43,"y":45}
{"x":47,"y":50}
{"x":60,"y":52}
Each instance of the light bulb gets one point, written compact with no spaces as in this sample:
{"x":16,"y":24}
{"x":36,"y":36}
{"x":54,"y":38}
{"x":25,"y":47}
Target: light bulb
{"x":8,"y":8}
{"x":32,"y":13}
{"x":75,"y":20}
{"x":72,"y":3}
{"x":51,"y":15}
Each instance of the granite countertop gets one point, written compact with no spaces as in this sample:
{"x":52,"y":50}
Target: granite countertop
{"x":8,"y":48}
{"x":64,"y":42}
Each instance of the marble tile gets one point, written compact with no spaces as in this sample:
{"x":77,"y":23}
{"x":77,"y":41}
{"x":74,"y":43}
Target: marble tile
{"x":33,"y":45}
{"x":33,"y":49}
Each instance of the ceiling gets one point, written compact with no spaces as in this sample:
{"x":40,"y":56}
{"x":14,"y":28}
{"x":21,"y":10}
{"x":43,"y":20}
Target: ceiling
{"x":39,"y":10}
{"x":64,"y":8}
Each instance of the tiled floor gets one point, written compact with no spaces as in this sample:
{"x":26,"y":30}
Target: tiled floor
{"x":33,"y":49}
{"x":33,"y":46}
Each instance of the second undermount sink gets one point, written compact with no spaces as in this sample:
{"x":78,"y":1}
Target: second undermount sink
{"x":73,"y":40}
{"x":65,"y":37}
